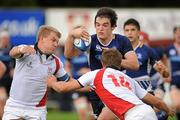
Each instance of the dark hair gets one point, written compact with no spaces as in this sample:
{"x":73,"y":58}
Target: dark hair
{"x":132,"y":21}
{"x":175,"y":28}
{"x":112,"y":57}
{"x":107,"y":13}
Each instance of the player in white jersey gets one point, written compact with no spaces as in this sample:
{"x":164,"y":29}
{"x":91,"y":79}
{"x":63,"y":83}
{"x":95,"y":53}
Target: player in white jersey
{"x":28,"y":92}
{"x":120,"y":93}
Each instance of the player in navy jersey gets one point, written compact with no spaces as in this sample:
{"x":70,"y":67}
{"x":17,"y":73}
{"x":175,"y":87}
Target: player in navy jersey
{"x":105,"y":23}
{"x":6,"y":79}
{"x":173,"y":53}
{"x":146,"y":56}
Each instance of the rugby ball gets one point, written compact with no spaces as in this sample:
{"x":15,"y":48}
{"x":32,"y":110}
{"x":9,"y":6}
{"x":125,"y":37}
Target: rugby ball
{"x":81,"y":44}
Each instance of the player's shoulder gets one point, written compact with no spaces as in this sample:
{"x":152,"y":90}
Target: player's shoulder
{"x":147,"y":48}
{"x":56,"y":58}
{"x":120,"y":37}
{"x":170,"y":47}
{"x":94,"y":37}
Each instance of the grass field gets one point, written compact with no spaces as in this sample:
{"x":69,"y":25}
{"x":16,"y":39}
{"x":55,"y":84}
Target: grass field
{"x":58,"y":115}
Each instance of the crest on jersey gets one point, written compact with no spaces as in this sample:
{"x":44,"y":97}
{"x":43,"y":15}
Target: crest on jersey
{"x":139,"y":56}
{"x":50,"y":71}
{"x":172,"y":52}
{"x":29,"y":64}
{"x":98,"y":48}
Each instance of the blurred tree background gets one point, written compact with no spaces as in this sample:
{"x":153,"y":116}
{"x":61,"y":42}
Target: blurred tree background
{"x":91,"y":3}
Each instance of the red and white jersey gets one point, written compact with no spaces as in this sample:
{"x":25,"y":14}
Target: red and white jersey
{"x":29,"y":87}
{"x":117,"y":91}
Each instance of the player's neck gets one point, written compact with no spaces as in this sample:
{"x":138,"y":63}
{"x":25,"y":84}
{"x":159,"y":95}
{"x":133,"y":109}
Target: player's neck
{"x":135,"y":43}
{"x":177,"y":44}
{"x":41,"y":48}
{"x":107,"y":40}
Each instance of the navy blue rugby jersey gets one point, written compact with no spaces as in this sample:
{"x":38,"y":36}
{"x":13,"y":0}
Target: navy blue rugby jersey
{"x":146,"y":58}
{"x":119,"y":42}
{"x":174,"y":58}
{"x":77,"y":63}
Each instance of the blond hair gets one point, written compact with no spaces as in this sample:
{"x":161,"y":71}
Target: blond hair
{"x":45,"y":30}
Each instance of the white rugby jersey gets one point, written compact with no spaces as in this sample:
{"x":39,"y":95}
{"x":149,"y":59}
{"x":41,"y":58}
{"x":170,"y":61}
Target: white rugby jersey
{"x":29,"y":87}
{"x":117,"y":91}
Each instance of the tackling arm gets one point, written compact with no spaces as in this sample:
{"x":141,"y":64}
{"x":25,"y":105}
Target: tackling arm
{"x":158,"y":103}
{"x":61,"y":86}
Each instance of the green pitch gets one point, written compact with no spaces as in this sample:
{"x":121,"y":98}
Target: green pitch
{"x":59,"y":115}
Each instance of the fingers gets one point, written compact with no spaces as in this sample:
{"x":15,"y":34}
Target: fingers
{"x":81,"y":32}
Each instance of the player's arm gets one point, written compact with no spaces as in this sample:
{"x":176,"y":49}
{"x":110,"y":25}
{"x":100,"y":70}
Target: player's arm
{"x":158,"y":103}
{"x":19,"y":51}
{"x":161,"y":68}
{"x":69,"y":49}
{"x":130,"y":62}
{"x":157,"y":64}
{"x":2,"y":69}
{"x":151,"y":100}
{"x":61,"y":86}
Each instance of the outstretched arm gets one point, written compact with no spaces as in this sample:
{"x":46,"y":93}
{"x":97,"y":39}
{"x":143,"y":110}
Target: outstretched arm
{"x":61,"y":86}
{"x":158,"y":103}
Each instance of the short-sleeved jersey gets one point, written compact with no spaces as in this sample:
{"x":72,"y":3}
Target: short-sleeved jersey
{"x":78,"y":62}
{"x":29,"y":87}
{"x":117,"y":91}
{"x":120,"y":42}
{"x":147,"y":58}
{"x":174,"y":58}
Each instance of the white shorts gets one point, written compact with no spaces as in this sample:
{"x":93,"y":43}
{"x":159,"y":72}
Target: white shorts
{"x":28,"y":114}
{"x":141,"y":112}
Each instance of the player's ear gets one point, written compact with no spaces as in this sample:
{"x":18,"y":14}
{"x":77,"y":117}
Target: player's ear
{"x":113,"y":27}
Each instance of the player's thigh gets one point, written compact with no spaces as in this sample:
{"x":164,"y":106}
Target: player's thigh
{"x":80,"y":103}
{"x":107,"y":114}
{"x":141,"y":112}
{"x":12,"y":113}
{"x":35,"y":114}
{"x":175,"y":93}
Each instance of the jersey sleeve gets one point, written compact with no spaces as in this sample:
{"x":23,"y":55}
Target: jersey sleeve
{"x":127,"y":45}
{"x":153,"y":56}
{"x":87,"y":79}
{"x":61,"y":73}
{"x":139,"y":91}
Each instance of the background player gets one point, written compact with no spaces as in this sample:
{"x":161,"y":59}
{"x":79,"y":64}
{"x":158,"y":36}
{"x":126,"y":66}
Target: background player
{"x":78,"y":66}
{"x":6,"y":79}
{"x":146,"y":56}
{"x":173,"y":53}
